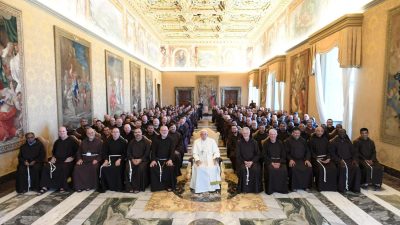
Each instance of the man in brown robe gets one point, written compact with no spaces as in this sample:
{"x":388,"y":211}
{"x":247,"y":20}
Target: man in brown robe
{"x":275,"y":170}
{"x":371,"y":169}
{"x":57,"y":171}
{"x":231,"y":145}
{"x":248,"y":166}
{"x":299,"y":156}
{"x":114,"y":154}
{"x":85,"y":175}
{"x":324,"y":168}
{"x":162,"y":167}
{"x":137,"y":176}
{"x":30,"y":161}
{"x":346,"y":158}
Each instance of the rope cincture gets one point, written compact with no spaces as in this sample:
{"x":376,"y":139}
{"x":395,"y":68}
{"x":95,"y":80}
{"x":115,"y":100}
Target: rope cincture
{"x":247,"y":175}
{"x":52,"y":169}
{"x":109,"y":162}
{"x":321,"y":156}
{"x":347,"y":175}
{"x":130,"y":171}
{"x":160,"y":169}
{"x":29,"y":177}
{"x":370,"y":167}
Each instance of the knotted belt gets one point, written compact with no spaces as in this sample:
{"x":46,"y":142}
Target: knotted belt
{"x":29,"y":177}
{"x":347,"y":175}
{"x":52,"y":169}
{"x":323,"y":167}
{"x":109,"y":162}
{"x":372,"y":170}
{"x":159,"y":164}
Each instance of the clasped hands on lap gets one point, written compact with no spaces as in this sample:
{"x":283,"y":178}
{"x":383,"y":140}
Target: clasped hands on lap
{"x":292,"y":163}
{"x":168,"y":163}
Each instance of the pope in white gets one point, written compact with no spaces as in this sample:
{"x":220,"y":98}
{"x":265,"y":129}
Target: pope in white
{"x":206,"y":171}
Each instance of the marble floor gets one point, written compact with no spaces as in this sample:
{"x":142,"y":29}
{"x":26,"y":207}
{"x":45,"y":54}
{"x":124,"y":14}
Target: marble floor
{"x":184,"y":208}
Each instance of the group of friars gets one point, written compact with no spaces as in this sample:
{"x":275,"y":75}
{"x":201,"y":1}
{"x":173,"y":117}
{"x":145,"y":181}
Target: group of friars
{"x":120,"y":165}
{"x":120,"y":160}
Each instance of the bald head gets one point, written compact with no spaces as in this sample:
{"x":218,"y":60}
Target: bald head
{"x":62,"y":133}
{"x":319,"y":131}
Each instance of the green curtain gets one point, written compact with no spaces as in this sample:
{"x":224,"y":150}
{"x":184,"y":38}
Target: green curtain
{"x":11,"y":28}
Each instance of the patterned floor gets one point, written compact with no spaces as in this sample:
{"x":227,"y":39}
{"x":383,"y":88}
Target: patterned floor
{"x":183,"y":208}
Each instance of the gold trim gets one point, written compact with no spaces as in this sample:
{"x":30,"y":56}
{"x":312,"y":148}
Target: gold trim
{"x":372,"y":4}
{"x":348,"y":20}
{"x":278,"y":58}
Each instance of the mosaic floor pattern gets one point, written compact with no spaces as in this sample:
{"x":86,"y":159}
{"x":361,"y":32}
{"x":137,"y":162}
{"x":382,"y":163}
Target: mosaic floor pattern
{"x":183,"y":207}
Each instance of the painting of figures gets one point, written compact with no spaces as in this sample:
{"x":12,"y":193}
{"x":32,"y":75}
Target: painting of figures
{"x":390,"y":126}
{"x":149,"y":88}
{"x":73,"y":75}
{"x":131,"y":39}
{"x":135,"y":87}
{"x":12,"y":86}
{"x":115,"y":83}
{"x":299,"y":72}
{"x":304,"y":16}
{"x":108,"y":17}
{"x":207,"y":87}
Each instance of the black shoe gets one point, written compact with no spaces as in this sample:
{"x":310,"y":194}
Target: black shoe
{"x":43,"y":190}
{"x":364,"y":186}
{"x":377,"y":187}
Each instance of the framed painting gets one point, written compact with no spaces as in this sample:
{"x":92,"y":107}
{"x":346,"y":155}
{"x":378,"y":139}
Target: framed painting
{"x":115,"y":83}
{"x":390,"y":122}
{"x":74,"y":79}
{"x":135,"y":87}
{"x":149,"y":88}
{"x":184,"y":96}
{"x":231,"y":96}
{"x":207,"y":87}
{"x":299,"y":72}
{"x":12,"y":80}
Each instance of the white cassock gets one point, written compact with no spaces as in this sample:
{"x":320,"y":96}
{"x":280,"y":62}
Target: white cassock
{"x":205,"y":177}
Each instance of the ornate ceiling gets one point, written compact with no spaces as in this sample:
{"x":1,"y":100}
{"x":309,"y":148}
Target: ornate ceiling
{"x":191,"y":20}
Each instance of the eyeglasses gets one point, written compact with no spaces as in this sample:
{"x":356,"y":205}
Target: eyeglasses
{"x":30,"y":137}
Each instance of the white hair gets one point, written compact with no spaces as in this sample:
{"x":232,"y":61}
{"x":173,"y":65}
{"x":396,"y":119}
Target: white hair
{"x":203,"y":131}
{"x":272,"y":131}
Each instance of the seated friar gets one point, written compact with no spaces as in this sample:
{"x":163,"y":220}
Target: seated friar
{"x":206,"y":172}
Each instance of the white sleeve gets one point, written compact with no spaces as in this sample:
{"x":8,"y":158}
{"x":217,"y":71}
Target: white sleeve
{"x":196,"y":151}
{"x":215,"y":148}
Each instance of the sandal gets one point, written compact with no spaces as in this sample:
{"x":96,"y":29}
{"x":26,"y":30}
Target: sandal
{"x":43,"y":190}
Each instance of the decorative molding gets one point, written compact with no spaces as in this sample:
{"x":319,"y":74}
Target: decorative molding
{"x":372,"y":4}
{"x":348,"y":20}
{"x":279,"y":58}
